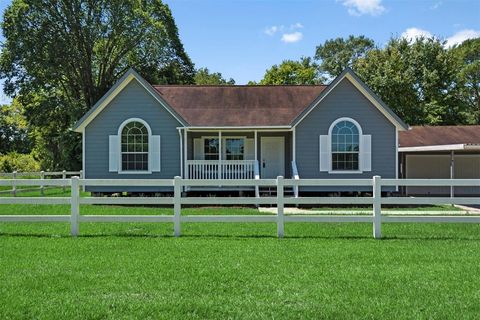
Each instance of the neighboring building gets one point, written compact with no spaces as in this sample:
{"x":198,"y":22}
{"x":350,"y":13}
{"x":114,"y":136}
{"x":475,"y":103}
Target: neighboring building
{"x":139,"y":130}
{"x":440,"y":152}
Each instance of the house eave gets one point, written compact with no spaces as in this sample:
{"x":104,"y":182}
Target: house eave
{"x":114,"y":91}
{"x":445,"y":147}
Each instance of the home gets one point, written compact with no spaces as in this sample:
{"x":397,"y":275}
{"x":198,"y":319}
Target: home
{"x":142,"y":131}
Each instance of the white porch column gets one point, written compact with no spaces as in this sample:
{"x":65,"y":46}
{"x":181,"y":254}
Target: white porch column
{"x":255,"y":137}
{"x":452,"y":172}
{"x":181,"y":152}
{"x":220,"y":151}
{"x":185,"y":155}
{"x":294,"y":145}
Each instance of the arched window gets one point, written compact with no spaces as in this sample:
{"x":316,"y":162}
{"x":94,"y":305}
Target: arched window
{"x":134,"y":147}
{"x":345,"y":146}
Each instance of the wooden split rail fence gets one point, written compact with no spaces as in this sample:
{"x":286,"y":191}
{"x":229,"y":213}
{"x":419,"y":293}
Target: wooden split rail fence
{"x":280,"y":200}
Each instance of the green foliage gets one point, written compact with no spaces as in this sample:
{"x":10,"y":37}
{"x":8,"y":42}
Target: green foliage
{"x":60,"y":57}
{"x":18,"y":162}
{"x":203,"y":76}
{"x":468,"y":76}
{"x":14,"y":134}
{"x":335,"y":55}
{"x":416,"y":79}
{"x":304,"y":71}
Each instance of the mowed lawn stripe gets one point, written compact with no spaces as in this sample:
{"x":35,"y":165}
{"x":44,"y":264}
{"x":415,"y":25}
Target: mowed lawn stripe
{"x":218,"y":271}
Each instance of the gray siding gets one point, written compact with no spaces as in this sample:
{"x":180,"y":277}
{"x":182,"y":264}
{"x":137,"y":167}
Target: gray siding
{"x":345,"y":101}
{"x":133,"y":102}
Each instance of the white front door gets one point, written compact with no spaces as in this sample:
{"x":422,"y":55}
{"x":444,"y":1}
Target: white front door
{"x":272,"y":161}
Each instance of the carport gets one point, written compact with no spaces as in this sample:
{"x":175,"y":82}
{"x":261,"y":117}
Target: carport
{"x":440,"y":152}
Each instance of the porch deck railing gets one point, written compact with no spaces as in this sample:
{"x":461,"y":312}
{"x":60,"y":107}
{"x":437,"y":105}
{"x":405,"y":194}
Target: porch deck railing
{"x":220,"y":169}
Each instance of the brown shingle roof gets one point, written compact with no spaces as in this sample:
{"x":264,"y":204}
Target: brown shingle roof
{"x":239,"y":105}
{"x":439,"y":135}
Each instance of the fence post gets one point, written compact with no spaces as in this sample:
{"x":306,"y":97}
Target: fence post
{"x":377,"y":207}
{"x":14,"y":184}
{"x":64,"y":176}
{"x":280,"y":207}
{"x":177,"y":205}
{"x":75,"y":207}
{"x":42,"y":187}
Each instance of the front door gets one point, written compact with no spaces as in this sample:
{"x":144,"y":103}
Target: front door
{"x":272,"y":160}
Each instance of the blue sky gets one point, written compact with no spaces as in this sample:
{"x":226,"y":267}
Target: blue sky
{"x":241,"y":39}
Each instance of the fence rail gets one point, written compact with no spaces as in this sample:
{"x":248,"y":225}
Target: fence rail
{"x":280,"y":200}
{"x":42,"y":175}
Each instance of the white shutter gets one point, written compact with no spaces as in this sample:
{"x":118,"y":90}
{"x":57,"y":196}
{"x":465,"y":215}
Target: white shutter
{"x":198,"y":149}
{"x":113,"y":153}
{"x":324,"y":153}
{"x":366,"y":153}
{"x":249,"y":149}
{"x":155,"y":153}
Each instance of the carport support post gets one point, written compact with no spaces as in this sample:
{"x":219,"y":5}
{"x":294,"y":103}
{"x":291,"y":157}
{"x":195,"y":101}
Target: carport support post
{"x":280,"y":207}
{"x":177,"y":206}
{"x":377,"y":207}
{"x":452,"y":172}
{"x":75,"y":207}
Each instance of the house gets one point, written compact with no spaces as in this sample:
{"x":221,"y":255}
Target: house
{"x":144,"y":131}
{"x":440,"y":152}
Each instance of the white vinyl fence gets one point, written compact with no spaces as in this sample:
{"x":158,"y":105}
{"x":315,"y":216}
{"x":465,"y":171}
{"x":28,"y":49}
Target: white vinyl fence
{"x":41,"y":175}
{"x":280,"y":200}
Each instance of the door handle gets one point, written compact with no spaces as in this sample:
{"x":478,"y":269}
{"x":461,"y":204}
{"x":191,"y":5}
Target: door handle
{"x":263,"y":164}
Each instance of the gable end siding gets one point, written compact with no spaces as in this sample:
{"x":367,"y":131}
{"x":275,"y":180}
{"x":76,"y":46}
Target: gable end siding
{"x":133,"y":102}
{"x":345,"y":101}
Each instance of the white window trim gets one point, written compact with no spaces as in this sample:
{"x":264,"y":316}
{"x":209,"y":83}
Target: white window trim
{"x":360,"y":147}
{"x":124,"y":123}
{"x":224,"y":145}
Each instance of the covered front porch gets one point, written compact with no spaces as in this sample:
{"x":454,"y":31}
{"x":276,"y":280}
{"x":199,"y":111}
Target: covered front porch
{"x":236,"y":153}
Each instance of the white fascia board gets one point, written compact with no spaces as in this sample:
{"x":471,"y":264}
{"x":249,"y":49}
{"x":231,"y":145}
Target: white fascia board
{"x":445,"y":147}
{"x":239,"y":128}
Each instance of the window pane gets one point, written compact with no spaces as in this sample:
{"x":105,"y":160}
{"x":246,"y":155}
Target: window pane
{"x":234,"y":149}
{"x":210,"y":149}
{"x":134,"y":147}
{"x":345,"y":146}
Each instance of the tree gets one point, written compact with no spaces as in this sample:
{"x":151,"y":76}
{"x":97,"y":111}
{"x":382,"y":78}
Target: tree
{"x":337,"y":54}
{"x":468,"y":76}
{"x":60,"y":57}
{"x":304,"y":71}
{"x":416,"y":79}
{"x":203,"y":76}
{"x":13,"y":129}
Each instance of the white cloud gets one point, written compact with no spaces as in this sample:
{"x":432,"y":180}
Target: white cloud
{"x":297,"y":25}
{"x":413,"y":34}
{"x":271,"y":30}
{"x":461,"y":36}
{"x":361,"y":7}
{"x":292,"y":37}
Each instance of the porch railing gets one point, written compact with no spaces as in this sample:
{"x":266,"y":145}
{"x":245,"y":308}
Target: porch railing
{"x":220,"y":169}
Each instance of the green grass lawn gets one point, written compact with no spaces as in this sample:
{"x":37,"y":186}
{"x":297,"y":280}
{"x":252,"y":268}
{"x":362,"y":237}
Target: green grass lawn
{"x":238,"y":271}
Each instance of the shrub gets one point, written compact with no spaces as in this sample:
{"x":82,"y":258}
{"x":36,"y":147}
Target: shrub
{"x":14,"y":161}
